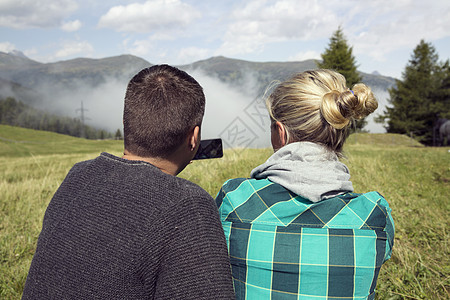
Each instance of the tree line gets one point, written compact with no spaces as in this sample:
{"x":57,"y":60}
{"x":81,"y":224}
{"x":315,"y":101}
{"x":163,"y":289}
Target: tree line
{"x":417,"y":103}
{"x":16,"y":113}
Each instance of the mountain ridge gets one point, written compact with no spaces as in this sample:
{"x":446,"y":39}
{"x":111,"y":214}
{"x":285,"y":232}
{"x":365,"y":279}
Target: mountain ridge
{"x":234,"y":70}
{"x":60,"y":87}
{"x":29,"y":73}
{"x":63,"y":87}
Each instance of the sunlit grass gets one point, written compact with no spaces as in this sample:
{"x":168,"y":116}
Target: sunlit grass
{"x":416,"y":183}
{"x":414,"y":179}
{"x":17,"y":142}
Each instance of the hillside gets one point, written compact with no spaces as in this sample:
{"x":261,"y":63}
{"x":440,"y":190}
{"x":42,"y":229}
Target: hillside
{"x":16,"y":90}
{"x":236,"y":71}
{"x":22,"y":142}
{"x":233,"y":70}
{"x":87,"y":72}
{"x":69,"y":74}
{"x":13,"y":61}
{"x":99,"y":85}
{"x":414,"y":180}
{"x":17,"y":142}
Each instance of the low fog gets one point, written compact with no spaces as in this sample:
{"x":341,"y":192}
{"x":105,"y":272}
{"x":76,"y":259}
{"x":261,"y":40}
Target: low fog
{"x":236,"y":114}
{"x":232,"y":113}
{"x":382,"y":97}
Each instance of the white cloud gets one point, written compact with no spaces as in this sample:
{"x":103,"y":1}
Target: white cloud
{"x":72,"y":48}
{"x":259,"y":23}
{"x":145,"y":48}
{"x":32,"y":14}
{"x":375,"y":28}
{"x":149,"y":16}
{"x":159,"y":54}
{"x":301,"y":56}
{"x":7,"y":47}
{"x":139,"y":47}
{"x":30,"y":52}
{"x":388,"y":26}
{"x":159,"y":36}
{"x":191,"y":54}
{"x":71,"y":26}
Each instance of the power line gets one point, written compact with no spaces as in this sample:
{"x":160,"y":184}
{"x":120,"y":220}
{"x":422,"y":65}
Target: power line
{"x":82,"y":118}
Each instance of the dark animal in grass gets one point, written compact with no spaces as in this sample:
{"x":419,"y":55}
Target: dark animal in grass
{"x":444,"y":132}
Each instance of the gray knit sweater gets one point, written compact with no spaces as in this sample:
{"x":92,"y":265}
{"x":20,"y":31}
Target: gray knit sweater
{"x":120,"y":229}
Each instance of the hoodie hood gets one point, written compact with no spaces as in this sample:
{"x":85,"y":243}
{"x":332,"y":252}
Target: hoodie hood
{"x":306,"y":169}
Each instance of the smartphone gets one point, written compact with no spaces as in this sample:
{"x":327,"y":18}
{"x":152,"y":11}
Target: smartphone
{"x":209,"y":149}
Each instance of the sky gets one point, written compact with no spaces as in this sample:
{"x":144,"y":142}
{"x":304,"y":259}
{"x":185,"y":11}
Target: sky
{"x":383,"y":33}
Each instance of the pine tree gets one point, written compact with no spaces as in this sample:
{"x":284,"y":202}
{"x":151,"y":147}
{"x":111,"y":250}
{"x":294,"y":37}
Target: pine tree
{"x":419,"y":98}
{"x":441,"y":96}
{"x":339,"y":57}
{"x":118,"y":135}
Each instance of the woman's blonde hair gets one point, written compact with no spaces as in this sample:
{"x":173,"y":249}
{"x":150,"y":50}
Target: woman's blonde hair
{"x":317,"y":106}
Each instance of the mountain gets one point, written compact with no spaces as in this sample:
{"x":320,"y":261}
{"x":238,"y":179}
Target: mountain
{"x":68,"y":74}
{"x":98,"y":85}
{"x":236,"y":71}
{"x":11,"y":61}
{"x":15,"y":90}
{"x":233,"y":70}
{"x":18,"y":53}
{"x":239,"y":72}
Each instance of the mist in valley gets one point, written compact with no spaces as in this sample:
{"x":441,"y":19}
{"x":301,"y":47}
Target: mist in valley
{"x":237,"y":114}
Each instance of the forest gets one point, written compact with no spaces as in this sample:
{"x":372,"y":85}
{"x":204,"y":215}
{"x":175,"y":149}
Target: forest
{"x":16,"y":113}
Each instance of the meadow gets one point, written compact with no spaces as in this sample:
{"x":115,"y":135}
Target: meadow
{"x":414,"y":179}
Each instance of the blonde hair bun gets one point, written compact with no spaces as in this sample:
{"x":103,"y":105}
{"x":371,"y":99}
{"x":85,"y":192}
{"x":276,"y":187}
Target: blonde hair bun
{"x":317,"y":106}
{"x":339,"y":108}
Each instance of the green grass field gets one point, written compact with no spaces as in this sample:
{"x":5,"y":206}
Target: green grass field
{"x":414,"y":179}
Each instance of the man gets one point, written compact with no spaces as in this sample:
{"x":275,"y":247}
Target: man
{"x":127,"y":228}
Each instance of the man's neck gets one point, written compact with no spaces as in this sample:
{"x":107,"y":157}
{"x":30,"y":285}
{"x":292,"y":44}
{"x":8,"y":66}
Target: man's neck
{"x":165,"y":165}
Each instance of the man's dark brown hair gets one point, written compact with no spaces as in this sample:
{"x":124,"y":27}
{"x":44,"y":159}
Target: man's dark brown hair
{"x":162,"y":104}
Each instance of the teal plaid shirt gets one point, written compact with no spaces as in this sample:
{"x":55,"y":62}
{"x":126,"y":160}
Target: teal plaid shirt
{"x":283,"y":246}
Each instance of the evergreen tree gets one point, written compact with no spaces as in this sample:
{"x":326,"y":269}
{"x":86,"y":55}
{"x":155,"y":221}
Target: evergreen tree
{"x":339,"y":57}
{"x":118,"y":135}
{"x":441,"y":96}
{"x":420,"y":97}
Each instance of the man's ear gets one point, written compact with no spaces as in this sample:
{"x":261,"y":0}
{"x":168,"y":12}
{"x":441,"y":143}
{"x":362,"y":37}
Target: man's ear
{"x":194,"y":138}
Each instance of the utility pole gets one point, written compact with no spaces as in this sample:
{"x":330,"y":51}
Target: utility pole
{"x":82,"y":118}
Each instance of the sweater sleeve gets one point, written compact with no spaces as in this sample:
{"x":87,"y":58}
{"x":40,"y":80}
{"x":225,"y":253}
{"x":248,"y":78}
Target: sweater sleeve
{"x":195,"y":262}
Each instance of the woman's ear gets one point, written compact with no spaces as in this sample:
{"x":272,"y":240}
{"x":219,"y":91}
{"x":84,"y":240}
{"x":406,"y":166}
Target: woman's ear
{"x":278,"y":136}
{"x":282,"y":134}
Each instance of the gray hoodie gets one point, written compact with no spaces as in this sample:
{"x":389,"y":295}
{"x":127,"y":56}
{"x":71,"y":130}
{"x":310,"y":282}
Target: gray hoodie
{"x":307,"y":169}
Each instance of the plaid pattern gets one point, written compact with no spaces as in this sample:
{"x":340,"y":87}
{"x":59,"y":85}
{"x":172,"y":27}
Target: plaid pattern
{"x":283,"y":246}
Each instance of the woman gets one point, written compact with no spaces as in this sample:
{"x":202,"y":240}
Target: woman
{"x":295,"y":229}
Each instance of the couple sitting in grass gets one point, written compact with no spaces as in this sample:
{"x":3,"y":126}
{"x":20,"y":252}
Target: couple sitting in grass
{"x":128,"y":228}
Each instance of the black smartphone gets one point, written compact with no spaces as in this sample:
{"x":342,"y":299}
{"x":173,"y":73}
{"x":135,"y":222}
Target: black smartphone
{"x":209,"y":149}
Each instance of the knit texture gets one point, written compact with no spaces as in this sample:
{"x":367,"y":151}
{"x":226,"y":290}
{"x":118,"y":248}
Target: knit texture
{"x":120,"y":229}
